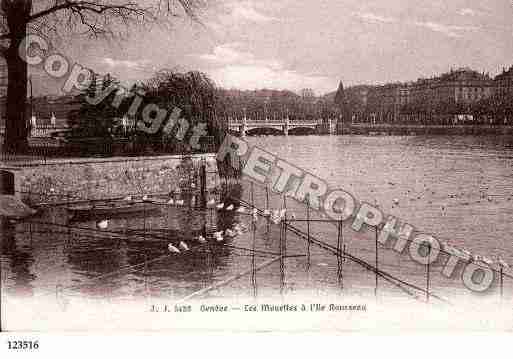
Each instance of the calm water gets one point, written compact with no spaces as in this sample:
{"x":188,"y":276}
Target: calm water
{"x":458,"y":188}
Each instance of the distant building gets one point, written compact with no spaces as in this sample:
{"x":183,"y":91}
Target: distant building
{"x":463,"y":86}
{"x":385,"y":103}
{"x":503,"y":83}
{"x":47,"y":111}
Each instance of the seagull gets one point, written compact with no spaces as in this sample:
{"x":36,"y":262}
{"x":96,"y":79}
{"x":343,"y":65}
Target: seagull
{"x":201,"y":239}
{"x":467,"y":254}
{"x":241,"y":209}
{"x":211,"y":202}
{"x":238,"y":229}
{"x":276,"y":220}
{"x":171,"y":201}
{"x":464,"y":251}
{"x":230,"y":233}
{"x":503,"y":264}
{"x":230,"y":207}
{"x":145,"y":198}
{"x":220,"y":206}
{"x":172,"y":248}
{"x":103,"y":224}
{"x":241,"y":227}
{"x":184,"y":246}
{"x":487,"y":260}
{"x":218,"y":236}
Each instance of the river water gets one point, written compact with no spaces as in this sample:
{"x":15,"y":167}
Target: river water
{"x":457,"y":188}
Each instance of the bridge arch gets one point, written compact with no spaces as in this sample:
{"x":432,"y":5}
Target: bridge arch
{"x":256,"y":131}
{"x":302,"y":130}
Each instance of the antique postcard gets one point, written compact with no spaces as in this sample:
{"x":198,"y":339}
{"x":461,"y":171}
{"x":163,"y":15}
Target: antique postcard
{"x":247,"y":166}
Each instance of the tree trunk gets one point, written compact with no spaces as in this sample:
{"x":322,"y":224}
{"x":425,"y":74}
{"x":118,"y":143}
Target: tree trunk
{"x":17,"y":116}
{"x":17,"y":14}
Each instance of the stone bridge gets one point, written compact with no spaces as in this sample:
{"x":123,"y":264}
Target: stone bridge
{"x":242,"y":127}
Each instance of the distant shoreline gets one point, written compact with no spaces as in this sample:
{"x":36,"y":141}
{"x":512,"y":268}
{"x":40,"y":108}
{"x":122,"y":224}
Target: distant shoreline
{"x":389,"y":129}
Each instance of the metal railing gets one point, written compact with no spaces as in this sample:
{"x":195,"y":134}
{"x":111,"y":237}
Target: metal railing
{"x":43,"y":152}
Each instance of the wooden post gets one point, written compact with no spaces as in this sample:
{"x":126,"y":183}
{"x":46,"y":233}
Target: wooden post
{"x":377,"y":259}
{"x":341,"y":254}
{"x":282,"y":247}
{"x":266,"y":197}
{"x":428,"y":273}
{"x":502,"y":282}
{"x":203,"y":185}
{"x":308,"y":228}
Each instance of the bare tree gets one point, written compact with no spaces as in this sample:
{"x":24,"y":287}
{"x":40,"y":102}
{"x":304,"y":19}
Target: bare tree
{"x":95,"y":18}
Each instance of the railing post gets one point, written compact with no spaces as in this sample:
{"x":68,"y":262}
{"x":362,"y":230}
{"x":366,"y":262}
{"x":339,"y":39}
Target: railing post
{"x":377,"y":259}
{"x":203,"y":184}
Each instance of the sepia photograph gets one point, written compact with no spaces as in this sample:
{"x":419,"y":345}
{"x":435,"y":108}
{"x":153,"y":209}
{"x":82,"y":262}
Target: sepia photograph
{"x":244,"y":166}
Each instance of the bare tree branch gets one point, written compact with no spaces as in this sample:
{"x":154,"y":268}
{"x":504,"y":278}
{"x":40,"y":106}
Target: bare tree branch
{"x":96,"y":16}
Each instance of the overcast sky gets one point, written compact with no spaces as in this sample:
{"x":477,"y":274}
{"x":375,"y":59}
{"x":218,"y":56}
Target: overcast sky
{"x":294,"y":44}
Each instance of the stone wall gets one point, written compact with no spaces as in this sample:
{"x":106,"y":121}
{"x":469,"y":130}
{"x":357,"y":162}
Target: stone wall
{"x":94,"y":179}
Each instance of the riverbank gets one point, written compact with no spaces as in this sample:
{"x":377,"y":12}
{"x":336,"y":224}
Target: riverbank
{"x":56,"y":180}
{"x":413,"y":130}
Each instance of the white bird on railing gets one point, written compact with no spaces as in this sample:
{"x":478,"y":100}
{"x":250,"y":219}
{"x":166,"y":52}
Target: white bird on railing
{"x":230,"y":233}
{"x":453,"y":251}
{"x":103,"y":224}
{"x":241,"y":210}
{"x":220,"y":206}
{"x":467,"y":255}
{"x":241,"y":228}
{"x":172,"y":248}
{"x":230,"y":207}
{"x":184,"y":246}
{"x":502,"y":263}
{"x":211,"y":202}
{"x":145,"y":198}
{"x":255,"y":214}
{"x":201,"y":239}
{"x":466,"y":252}
{"x":487,"y":260}
{"x":238,"y":230}
{"x":171,"y":202}
{"x":218,"y":236}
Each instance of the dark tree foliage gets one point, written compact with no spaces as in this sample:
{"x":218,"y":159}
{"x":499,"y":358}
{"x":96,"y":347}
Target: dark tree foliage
{"x":194,"y":94}
{"x":93,"y":18}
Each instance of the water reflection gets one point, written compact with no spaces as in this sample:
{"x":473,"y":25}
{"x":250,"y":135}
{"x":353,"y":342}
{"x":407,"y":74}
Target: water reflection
{"x":423,"y":173}
{"x":16,"y":261}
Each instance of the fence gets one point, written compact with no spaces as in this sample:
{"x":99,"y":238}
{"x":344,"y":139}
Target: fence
{"x":43,"y":152}
{"x":300,"y":251}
